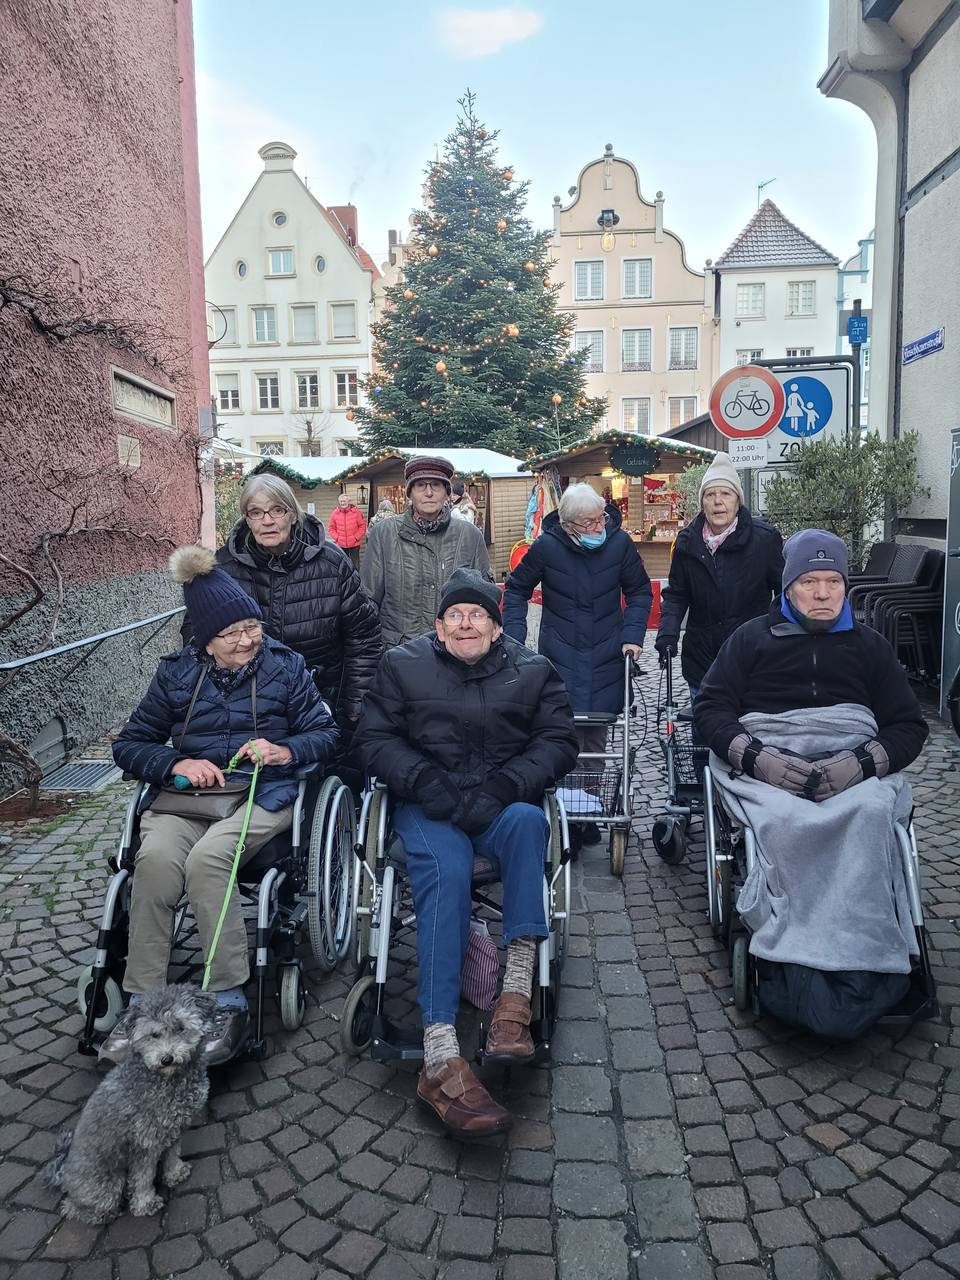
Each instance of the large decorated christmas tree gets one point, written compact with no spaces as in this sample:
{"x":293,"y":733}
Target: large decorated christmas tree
{"x":471,"y":349}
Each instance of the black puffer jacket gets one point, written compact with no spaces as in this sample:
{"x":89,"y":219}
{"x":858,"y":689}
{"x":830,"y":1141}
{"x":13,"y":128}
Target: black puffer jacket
{"x":718,"y":592}
{"x":507,"y":714}
{"x":313,"y":602}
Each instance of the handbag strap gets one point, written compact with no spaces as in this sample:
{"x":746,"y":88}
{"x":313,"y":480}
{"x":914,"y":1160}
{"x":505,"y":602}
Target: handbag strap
{"x":193,"y":703}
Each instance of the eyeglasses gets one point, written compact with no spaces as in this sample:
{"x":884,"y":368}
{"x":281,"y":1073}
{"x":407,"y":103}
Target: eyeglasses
{"x":275,"y":513}
{"x":590,"y":526}
{"x":423,"y":485}
{"x":233,"y":635}
{"x":453,"y":617}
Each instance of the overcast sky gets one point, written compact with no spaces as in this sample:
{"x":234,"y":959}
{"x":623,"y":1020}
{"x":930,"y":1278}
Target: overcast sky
{"x":707,"y":99}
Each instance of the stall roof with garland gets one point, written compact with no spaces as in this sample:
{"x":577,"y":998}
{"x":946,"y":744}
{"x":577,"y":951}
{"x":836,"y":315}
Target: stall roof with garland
{"x":307,"y":473}
{"x":484,"y":464}
{"x":691,"y":453}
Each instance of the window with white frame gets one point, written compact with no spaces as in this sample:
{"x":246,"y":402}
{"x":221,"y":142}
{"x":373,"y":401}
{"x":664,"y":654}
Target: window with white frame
{"x":264,"y":324}
{"x":588,"y":281}
{"x":801,"y":297}
{"x":270,"y":448}
{"x":343,"y":320}
{"x":222,"y":326}
{"x":591,"y":341}
{"x":347,"y":392}
{"x":308,"y":390}
{"x":683,"y":347}
{"x":228,"y":392}
{"x":280,"y":262}
{"x":268,"y":391}
{"x":304,"y":323}
{"x":636,"y":350}
{"x":799,"y":351}
{"x":747,"y":355}
{"x":635,"y":414}
{"x":751,"y":300}
{"x":681,"y":409}
{"x":638,"y":277}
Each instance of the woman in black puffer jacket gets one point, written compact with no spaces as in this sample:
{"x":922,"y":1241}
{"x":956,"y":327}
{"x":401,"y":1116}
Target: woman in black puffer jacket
{"x":308,"y":591}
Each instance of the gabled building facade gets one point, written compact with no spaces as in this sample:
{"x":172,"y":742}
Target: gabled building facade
{"x":643,"y":314}
{"x":289,"y":306}
{"x":776,"y":293}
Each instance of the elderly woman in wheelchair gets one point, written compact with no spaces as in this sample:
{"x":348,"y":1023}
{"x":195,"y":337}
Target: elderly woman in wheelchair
{"x":230,"y":694}
{"x":468,"y":729}
{"x":810,"y":721}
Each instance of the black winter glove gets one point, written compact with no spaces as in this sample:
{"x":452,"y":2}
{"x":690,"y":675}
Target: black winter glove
{"x":665,"y":646}
{"x":435,"y":793}
{"x":482,"y":805}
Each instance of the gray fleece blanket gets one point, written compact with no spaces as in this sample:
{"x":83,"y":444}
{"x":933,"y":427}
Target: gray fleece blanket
{"x":827,"y":889}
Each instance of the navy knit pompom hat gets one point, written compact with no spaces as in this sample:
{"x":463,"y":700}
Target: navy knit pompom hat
{"x":814,"y":551}
{"x":213,"y":599}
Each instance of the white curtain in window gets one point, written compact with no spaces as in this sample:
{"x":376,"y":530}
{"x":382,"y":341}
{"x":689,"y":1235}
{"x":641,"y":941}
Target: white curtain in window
{"x":635,"y":348}
{"x":637,"y":277}
{"x":304,"y":324}
{"x":344,"y":317}
{"x":683,"y":346}
{"x":265,"y":324}
{"x":588,"y":281}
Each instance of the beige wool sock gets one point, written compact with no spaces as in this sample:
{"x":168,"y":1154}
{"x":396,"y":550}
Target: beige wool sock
{"x":440,"y":1043}
{"x":521,"y":962}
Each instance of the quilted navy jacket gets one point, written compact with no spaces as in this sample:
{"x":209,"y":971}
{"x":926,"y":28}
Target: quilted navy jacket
{"x":583,"y":628}
{"x":290,"y":713}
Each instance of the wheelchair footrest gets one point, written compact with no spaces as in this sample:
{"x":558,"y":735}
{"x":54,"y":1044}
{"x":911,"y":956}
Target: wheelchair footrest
{"x":391,"y":1042}
{"x":916,"y":1006}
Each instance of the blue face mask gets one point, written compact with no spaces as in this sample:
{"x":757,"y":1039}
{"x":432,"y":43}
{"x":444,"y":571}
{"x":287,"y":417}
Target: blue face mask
{"x":593,"y":540}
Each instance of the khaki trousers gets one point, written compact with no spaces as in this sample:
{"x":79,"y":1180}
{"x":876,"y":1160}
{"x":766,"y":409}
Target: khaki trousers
{"x":195,"y":855}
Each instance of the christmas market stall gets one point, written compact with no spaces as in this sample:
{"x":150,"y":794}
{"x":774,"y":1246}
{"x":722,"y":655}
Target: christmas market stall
{"x":498,"y":484}
{"x":637,"y":474}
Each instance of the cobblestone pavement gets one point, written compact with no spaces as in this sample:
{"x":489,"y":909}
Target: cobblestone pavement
{"x":672,"y":1139}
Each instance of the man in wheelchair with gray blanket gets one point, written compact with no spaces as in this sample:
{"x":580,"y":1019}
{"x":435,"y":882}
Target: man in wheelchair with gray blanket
{"x":810,"y":720}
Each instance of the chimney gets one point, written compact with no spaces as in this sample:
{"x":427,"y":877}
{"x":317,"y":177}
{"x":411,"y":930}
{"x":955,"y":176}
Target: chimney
{"x":346,"y":215}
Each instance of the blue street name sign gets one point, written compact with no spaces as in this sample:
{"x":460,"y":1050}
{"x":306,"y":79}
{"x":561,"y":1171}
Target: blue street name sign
{"x":921,"y":347}
{"x":858,"y":328}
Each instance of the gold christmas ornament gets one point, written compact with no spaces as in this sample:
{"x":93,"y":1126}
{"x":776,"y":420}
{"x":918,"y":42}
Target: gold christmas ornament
{"x":501,"y":224}
{"x":433,"y":251}
{"x":423,"y":404}
{"x":350,"y":415}
{"x":529,"y":266}
{"x":508,"y":175}
{"x":440,"y":366}
{"x":556,"y":398}
{"x":547,"y":282}
{"x":408,"y":294}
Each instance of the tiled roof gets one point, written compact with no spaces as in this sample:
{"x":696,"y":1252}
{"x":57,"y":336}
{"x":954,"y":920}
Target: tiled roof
{"x":771,"y":240}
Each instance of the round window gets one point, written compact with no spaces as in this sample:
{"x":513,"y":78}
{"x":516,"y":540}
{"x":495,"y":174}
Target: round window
{"x":279,"y":219}
{"x":320,"y":263}
{"x":241,"y":269}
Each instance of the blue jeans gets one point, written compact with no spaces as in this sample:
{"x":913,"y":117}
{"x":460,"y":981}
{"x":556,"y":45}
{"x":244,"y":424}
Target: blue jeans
{"x":440,"y":866}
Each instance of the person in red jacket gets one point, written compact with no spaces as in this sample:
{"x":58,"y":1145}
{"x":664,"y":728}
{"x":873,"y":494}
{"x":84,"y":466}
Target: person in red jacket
{"x":347,"y":528}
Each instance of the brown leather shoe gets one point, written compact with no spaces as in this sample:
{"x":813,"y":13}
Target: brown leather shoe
{"x":509,"y":1038}
{"x":461,"y":1103}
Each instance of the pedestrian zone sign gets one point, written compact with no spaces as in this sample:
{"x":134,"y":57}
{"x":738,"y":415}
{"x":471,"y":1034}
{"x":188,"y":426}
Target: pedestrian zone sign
{"x":746,"y":403}
{"x":816,"y":407}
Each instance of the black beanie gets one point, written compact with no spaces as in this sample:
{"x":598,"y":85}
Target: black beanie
{"x":212,"y":597}
{"x":469,"y":586}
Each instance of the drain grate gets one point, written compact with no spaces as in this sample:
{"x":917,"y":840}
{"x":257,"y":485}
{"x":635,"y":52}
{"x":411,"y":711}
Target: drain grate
{"x":81,"y":775}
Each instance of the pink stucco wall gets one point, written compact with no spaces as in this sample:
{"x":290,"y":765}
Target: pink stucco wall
{"x":99,"y":206}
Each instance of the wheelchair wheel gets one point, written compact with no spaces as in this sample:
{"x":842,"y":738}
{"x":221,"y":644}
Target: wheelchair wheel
{"x":723,"y":889}
{"x":740,"y":964}
{"x":293,"y":1002}
{"x":364,"y":885}
{"x":338,"y":859}
{"x":316,"y":907}
{"x":356,"y":1021}
{"x":670,"y":839}
{"x":561,"y":900}
{"x":618,"y":849}
{"x":109,"y":1005}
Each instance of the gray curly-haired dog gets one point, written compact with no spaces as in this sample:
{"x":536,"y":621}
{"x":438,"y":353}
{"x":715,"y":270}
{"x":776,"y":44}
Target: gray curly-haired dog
{"x":134,"y":1119}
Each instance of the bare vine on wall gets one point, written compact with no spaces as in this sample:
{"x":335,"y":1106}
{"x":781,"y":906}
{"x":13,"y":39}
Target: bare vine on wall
{"x":89,"y":499}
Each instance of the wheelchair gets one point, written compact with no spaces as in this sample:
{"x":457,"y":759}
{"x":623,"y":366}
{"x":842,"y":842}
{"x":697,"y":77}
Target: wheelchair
{"x":384,"y":916}
{"x":731,"y":853}
{"x":300,"y":879}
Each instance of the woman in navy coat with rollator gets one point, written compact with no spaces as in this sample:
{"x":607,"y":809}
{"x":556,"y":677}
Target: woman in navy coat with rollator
{"x":584,"y":562}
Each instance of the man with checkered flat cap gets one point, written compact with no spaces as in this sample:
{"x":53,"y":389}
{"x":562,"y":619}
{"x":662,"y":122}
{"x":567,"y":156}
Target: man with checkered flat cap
{"x":408,"y":561}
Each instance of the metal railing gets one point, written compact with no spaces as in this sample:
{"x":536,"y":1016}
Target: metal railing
{"x":94,"y":642}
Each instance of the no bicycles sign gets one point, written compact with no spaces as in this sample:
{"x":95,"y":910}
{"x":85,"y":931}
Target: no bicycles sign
{"x":747,"y":403}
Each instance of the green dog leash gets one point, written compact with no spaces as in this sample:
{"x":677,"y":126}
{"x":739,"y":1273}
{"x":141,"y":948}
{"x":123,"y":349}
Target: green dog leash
{"x":237,"y":855}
